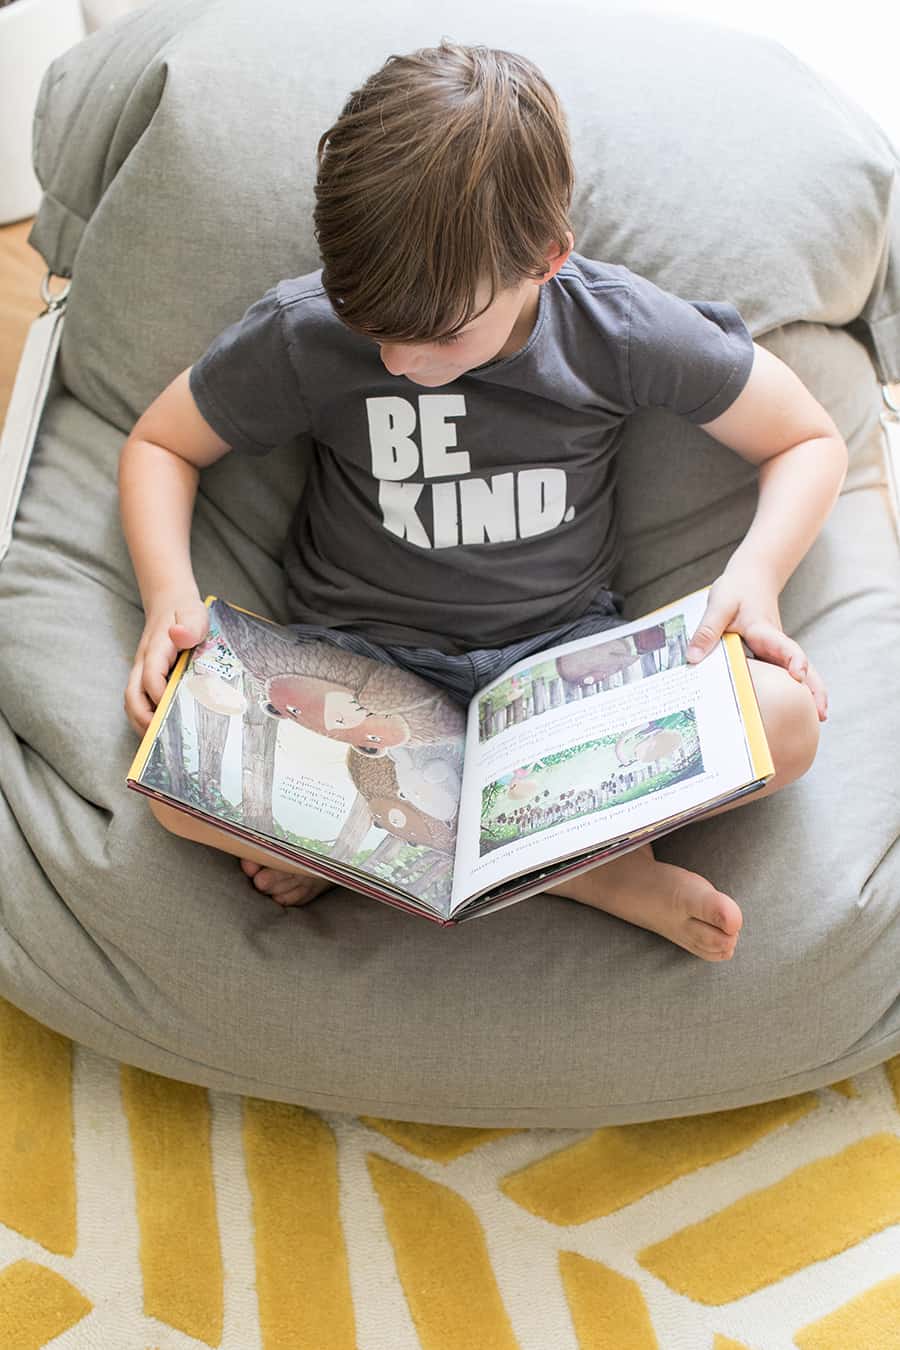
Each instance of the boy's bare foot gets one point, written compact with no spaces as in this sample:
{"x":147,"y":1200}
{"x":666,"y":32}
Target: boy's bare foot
{"x":287,"y":888}
{"x":677,"y":904}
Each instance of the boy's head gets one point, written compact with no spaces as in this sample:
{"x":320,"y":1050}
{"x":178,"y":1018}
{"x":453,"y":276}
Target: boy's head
{"x":442,"y":203}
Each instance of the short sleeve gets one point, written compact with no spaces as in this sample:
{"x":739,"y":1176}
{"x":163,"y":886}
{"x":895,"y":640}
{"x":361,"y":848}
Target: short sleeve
{"x":692,"y":357}
{"x":245,"y":384}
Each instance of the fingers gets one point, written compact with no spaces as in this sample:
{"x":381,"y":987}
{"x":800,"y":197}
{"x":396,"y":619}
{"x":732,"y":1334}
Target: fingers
{"x":156,"y":654}
{"x":770,"y":644}
{"x":717,"y":616}
{"x":816,"y":686}
{"x":147,"y":681}
{"x":190,"y":627}
{"x":138,"y":708}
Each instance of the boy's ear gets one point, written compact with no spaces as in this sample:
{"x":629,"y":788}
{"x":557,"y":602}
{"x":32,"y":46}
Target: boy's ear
{"x":555,"y":259}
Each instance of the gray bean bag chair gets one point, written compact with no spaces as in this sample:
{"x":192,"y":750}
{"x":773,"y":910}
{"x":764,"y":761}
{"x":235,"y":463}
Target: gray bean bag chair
{"x":176,"y":152}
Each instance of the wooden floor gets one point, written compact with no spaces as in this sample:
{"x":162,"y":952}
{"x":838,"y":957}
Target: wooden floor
{"x":21,"y":269}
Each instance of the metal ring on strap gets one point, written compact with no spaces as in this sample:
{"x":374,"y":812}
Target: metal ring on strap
{"x":51,"y":300}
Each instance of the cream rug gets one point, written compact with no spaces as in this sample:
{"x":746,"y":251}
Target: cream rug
{"x":137,"y":1213}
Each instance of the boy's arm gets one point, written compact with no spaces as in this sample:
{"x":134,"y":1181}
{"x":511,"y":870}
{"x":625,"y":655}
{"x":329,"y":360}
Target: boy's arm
{"x":777,"y":424}
{"x":158,"y":473}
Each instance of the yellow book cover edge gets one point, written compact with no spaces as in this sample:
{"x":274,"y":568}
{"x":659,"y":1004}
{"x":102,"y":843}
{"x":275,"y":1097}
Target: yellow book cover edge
{"x":760,"y":755}
{"x":146,"y":745}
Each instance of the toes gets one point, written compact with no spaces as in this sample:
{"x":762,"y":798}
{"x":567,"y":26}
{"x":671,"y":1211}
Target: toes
{"x":723,"y":913}
{"x":265,"y":878}
{"x":698,"y":899}
{"x":296,"y":896}
{"x":709,"y":943}
{"x":300,"y":890}
{"x":284,"y":882}
{"x":285,"y":888}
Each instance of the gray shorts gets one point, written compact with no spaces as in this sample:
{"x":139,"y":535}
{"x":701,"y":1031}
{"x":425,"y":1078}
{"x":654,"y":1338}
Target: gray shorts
{"x":463,"y":674}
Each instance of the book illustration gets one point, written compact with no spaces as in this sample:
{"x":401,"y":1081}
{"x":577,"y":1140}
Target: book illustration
{"x":367,"y":773}
{"x":581,"y":674}
{"x":323,"y":749}
{"x":585,"y":779}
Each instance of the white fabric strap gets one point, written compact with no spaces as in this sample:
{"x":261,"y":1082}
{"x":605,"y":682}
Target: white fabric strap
{"x":890,"y":422}
{"x":26,"y":406}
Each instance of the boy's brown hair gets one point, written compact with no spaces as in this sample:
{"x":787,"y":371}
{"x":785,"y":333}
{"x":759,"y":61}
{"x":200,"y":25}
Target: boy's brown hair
{"x":448,"y":167}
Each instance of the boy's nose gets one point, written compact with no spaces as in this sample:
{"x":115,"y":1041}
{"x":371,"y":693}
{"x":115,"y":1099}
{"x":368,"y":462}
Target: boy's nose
{"x":399,"y":359}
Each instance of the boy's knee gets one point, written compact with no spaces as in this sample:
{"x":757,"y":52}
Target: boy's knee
{"x":792,"y":728}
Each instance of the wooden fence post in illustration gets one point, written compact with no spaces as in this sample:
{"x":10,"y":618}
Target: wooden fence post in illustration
{"x":484,"y":719}
{"x":172,"y":744}
{"x":258,"y":741}
{"x":212,"y":733}
{"x":353,"y":831}
{"x":539,"y":688}
{"x":436,"y":868}
{"x":386,"y":851}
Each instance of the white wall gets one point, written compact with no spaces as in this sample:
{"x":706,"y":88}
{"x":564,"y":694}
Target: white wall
{"x":856,"y":43}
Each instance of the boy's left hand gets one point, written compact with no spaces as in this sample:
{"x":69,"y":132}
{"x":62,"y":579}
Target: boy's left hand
{"x":741,"y":604}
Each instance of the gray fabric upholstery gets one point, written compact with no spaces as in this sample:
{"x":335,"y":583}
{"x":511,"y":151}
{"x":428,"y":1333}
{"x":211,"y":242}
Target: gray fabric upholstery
{"x":156,"y":951}
{"x":194,"y":206}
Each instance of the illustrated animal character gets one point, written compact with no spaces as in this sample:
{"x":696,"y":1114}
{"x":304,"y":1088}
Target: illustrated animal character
{"x":336,"y":693}
{"x":377,"y":781}
{"x":334,"y":711}
{"x":647,"y":745}
{"x":429,"y":777}
{"x":399,"y":818}
{"x":590,"y":665}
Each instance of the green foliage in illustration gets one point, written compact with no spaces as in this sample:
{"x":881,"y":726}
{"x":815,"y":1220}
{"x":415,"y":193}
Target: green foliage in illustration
{"x":499,"y":827}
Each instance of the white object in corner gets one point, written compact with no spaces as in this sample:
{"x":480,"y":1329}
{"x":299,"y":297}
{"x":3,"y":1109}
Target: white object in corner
{"x":890,"y":423}
{"x":32,"y":34}
{"x":29,"y":395}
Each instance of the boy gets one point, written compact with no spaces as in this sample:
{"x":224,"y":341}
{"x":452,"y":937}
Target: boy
{"x":465,"y":376}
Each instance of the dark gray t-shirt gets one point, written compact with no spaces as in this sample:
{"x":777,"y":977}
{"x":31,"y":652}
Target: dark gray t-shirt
{"x":479,"y":512}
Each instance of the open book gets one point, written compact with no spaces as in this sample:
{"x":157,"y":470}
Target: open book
{"x":363,"y":773}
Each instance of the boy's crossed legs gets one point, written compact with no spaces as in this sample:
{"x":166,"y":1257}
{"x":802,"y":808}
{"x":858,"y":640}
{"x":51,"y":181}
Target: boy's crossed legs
{"x":680,"y":905}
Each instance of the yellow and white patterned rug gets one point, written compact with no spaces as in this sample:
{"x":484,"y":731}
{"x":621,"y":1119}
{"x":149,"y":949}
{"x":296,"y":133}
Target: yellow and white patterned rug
{"x":138,"y":1213}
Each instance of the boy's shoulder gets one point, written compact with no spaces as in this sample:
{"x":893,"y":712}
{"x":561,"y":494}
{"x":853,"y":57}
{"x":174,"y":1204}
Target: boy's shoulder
{"x":299,"y":296}
{"x":592,"y":274}
{"x":603,"y":294}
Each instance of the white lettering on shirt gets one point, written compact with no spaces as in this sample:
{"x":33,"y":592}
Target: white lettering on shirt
{"x":398,"y":511}
{"x":488,"y":509}
{"x":391,"y":422}
{"x":505,"y":507}
{"x":542,"y":500}
{"x":437,"y":434}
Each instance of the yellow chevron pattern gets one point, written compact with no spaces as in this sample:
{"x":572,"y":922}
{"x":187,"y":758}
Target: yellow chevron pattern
{"x":138,"y":1213}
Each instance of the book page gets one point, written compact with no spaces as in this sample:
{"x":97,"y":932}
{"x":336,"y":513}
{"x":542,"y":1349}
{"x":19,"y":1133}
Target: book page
{"x":592,"y":741}
{"x":326,"y":752}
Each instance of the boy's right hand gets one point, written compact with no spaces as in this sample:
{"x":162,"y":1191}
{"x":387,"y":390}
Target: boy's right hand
{"x":170,"y":627}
